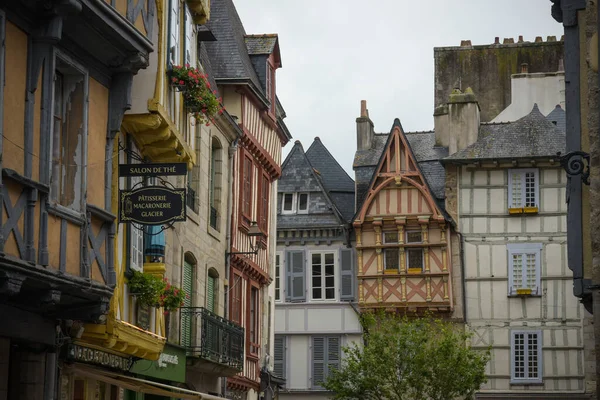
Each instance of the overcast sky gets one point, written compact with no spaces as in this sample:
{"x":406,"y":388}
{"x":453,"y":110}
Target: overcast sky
{"x":338,"y":52}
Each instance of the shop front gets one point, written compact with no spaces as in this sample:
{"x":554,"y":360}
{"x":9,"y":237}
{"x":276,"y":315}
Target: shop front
{"x":169,"y":369}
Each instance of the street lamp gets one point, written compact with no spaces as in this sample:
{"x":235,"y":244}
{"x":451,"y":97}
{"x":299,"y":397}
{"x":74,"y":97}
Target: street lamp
{"x":253,"y":233}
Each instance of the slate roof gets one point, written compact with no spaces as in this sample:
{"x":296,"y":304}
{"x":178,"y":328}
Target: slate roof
{"x":261,"y":44}
{"x":531,"y":136}
{"x":229,"y":54}
{"x":370,"y":157}
{"x":558,"y":117}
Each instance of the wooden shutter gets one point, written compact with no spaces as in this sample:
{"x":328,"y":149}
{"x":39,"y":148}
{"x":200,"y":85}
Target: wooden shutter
{"x":173,"y":32}
{"x":264,"y":203}
{"x":236,"y":299}
{"x":348,"y":276}
{"x":247,"y":187}
{"x":333,"y":354}
{"x":318,"y":361}
{"x":186,"y":318}
{"x":295,"y":276}
{"x":279,"y":356}
{"x":210,"y":294}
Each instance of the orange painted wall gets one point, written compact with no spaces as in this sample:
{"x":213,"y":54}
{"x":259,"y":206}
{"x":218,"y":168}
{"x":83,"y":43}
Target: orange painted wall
{"x":54,"y":241}
{"x":14,"y":95}
{"x":73,"y":249}
{"x":97,"y":125}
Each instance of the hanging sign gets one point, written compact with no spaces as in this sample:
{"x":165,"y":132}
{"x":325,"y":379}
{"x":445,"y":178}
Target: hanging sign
{"x":153,"y":169}
{"x":87,"y":355}
{"x":152,"y":205}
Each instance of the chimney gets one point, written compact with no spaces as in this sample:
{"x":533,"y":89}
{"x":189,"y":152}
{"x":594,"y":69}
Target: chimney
{"x":538,"y":39}
{"x":440,"y":125}
{"x":497,"y":40}
{"x":465,"y":43}
{"x":524,"y":68}
{"x":364,"y":128}
{"x":463,"y":120}
{"x":508,"y":41}
{"x":520,"y":38}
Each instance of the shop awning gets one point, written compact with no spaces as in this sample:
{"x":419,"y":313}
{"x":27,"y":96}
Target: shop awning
{"x":137,"y":384}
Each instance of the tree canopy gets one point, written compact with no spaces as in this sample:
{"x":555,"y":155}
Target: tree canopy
{"x":409,"y":359}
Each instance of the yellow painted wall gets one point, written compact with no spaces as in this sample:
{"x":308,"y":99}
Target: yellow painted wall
{"x":14,"y":93}
{"x":121,"y":6}
{"x":73,"y":249}
{"x":54,"y":242}
{"x":97,"y":125}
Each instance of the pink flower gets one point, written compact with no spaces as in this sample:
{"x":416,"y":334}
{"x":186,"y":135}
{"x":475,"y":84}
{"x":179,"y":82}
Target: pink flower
{"x":181,"y":82}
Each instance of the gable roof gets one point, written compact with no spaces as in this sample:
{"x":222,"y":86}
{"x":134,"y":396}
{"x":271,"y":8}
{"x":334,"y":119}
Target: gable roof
{"x":558,"y":117}
{"x":341,"y":217}
{"x":261,"y":44}
{"x":531,"y":136}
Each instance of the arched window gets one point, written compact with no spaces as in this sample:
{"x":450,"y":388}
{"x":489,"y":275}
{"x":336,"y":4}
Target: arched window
{"x":187,"y":284}
{"x":216,"y":174}
{"x":212,"y":290}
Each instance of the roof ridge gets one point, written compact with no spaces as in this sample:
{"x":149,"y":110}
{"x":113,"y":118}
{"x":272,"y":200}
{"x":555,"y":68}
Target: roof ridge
{"x":419,"y":132}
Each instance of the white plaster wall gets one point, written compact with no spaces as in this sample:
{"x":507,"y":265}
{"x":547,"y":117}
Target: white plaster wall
{"x":545,"y":89}
{"x":491,"y":314}
{"x":144,"y":82}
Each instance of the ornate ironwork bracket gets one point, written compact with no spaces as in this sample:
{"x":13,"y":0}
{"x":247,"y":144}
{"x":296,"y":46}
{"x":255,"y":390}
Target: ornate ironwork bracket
{"x":576,"y":163}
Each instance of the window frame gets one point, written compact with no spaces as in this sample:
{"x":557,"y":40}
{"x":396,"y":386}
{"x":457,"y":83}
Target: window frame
{"x":188,"y":35}
{"x":323,"y":286}
{"x":173,"y":57}
{"x":246,"y":185}
{"x":522,"y":172}
{"x":526,"y":358}
{"x":54,"y":201}
{"x":524,"y":249}
{"x":283,"y":210}
{"x":390,"y":249}
{"x":298,"y":195}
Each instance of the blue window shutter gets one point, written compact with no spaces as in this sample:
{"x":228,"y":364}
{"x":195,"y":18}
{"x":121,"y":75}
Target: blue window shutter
{"x":348,"y":277}
{"x":318,"y":361}
{"x":279,"y":356}
{"x":295,"y":276}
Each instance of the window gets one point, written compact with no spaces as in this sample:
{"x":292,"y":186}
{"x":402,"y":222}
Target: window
{"x":287,"y":203}
{"x":173,"y":58}
{"x":302,"y":203}
{"x":247,"y":187}
{"x":136,"y":236}
{"x":391,"y":256}
{"x":348,"y":276}
{"x":69,"y":135}
{"x":323,"y":276}
{"x":279,"y":356}
{"x":216,"y":175}
{"x":189,"y":23}
{"x":188,"y":287}
{"x":526,"y":357}
{"x":524,"y":268}
{"x":253,"y":321}
{"x":236,"y":299}
{"x":278,"y":277}
{"x":414,"y":257}
{"x":523,"y":188}
{"x":263,"y":221}
{"x":326,"y":356}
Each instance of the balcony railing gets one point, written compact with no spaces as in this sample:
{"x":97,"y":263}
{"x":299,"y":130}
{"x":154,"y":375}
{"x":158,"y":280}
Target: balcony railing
{"x":217,"y":340}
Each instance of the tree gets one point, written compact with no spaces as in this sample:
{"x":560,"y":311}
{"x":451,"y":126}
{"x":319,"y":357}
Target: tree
{"x":409,"y":359}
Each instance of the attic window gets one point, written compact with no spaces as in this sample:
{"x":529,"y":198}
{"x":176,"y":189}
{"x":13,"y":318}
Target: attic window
{"x":302,"y":203}
{"x":294,"y":203}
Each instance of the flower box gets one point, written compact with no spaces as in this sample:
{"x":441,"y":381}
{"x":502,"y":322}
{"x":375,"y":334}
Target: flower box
{"x":524,"y":292}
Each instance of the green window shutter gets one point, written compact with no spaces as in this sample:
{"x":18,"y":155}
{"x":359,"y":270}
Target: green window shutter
{"x":186,"y":318}
{"x":210,"y":294}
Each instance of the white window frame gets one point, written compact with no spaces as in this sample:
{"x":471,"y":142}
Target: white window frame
{"x":323,"y":277}
{"x":279,"y":277}
{"x":283,"y":210}
{"x":188,"y":55}
{"x":522,"y":172}
{"x":299,"y":210}
{"x":136,"y":236}
{"x":524,"y":248}
{"x":527,"y":352}
{"x":173,"y":55}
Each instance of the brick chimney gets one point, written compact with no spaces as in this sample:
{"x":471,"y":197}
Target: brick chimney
{"x":463,"y":120}
{"x":364,"y":128}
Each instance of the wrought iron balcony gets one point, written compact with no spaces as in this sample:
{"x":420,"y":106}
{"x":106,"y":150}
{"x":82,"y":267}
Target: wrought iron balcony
{"x":213,"y":339}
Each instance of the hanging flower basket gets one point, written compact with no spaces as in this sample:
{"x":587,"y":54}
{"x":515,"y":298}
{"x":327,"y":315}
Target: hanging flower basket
{"x":155,"y":292}
{"x":172,"y":297}
{"x":198,"y":96}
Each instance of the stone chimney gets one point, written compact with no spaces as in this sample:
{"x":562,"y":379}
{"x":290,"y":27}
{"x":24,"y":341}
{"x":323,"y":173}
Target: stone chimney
{"x":463,"y":120}
{"x":364,"y":128}
{"x":440,"y":126}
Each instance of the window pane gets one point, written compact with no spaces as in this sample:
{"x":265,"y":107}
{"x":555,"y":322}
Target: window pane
{"x":329,"y":258}
{"x":415,"y":258}
{"x":532,"y":362}
{"x":519,"y":355}
{"x":330,"y":293}
{"x":317,"y":276}
{"x":392,"y":259}
{"x":288,"y":201}
{"x":530,"y":200}
{"x":302,"y":201}
{"x":414,"y":237}
{"x":531,"y":273}
{"x":517,"y":189}
{"x":517,"y":270}
{"x":317,"y":293}
{"x":390,"y":237}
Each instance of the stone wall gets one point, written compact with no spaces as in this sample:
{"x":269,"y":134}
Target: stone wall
{"x":487,"y":69}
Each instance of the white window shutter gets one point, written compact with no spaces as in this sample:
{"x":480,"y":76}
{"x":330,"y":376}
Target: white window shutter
{"x":189,"y":23}
{"x":173,"y":50}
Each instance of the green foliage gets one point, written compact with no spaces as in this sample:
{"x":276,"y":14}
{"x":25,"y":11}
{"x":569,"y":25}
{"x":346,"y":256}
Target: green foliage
{"x":147,"y":288}
{"x":198,"y":96}
{"x":409,"y":359}
{"x":155,"y":292}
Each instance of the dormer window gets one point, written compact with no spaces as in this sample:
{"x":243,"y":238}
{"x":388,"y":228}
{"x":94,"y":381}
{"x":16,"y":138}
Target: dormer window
{"x":294,"y":203}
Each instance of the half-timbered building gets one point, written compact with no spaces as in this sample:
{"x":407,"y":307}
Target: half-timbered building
{"x":67,"y":70}
{"x":315,"y":279}
{"x":408,"y":254}
{"x":244,"y":67}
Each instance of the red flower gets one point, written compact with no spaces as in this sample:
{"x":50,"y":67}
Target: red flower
{"x":187,"y":65}
{"x":181,"y":82}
